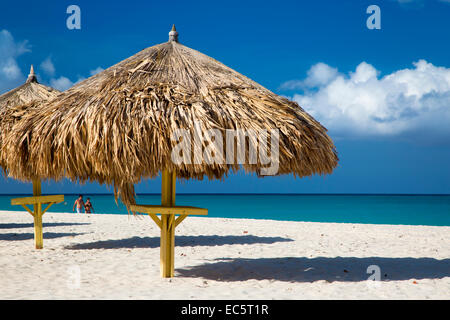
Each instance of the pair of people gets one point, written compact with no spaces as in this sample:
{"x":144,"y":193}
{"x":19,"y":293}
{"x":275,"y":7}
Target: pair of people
{"x":79,"y":204}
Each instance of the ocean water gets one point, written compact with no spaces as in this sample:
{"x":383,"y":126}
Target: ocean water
{"x":375,"y":209}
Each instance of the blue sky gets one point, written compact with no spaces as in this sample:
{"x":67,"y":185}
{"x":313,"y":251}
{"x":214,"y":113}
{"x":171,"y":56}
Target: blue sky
{"x":383,"y":94}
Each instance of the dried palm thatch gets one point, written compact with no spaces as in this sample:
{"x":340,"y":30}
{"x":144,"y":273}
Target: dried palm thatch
{"x":13,"y":104}
{"x":116,"y":126}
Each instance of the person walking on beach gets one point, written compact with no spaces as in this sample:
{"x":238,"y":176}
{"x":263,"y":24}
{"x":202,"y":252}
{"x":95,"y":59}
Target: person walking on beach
{"x":79,"y":203}
{"x":88,"y":206}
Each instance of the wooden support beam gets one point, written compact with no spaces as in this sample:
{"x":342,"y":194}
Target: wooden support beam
{"x":164,"y":210}
{"x":48,"y":207}
{"x":180,"y":219}
{"x":38,"y":233}
{"x":167,"y":246}
{"x":167,"y":253}
{"x":28,"y":209}
{"x":37,"y":199}
{"x":167,"y":223}
{"x":156,"y":219}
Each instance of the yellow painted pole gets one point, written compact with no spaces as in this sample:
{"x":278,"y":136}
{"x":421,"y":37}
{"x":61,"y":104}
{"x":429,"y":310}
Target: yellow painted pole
{"x":167,"y":224}
{"x":38,"y":234}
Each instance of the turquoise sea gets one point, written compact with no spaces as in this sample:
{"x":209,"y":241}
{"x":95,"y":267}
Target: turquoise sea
{"x":375,"y":209}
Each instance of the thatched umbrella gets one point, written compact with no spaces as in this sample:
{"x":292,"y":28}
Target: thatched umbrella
{"x":13,"y":106}
{"x":123,"y":124}
{"x":12,"y":102}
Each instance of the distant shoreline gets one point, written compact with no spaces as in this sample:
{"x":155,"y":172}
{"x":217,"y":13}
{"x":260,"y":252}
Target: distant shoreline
{"x":431,"y":210}
{"x":2,"y":211}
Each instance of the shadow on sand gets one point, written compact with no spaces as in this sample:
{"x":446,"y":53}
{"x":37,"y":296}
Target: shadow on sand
{"x":180,"y":241}
{"x":28,"y":236}
{"x":297,"y":269}
{"x":44,"y":224}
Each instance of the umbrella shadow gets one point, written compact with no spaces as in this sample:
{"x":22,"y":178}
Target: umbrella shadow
{"x":44,"y":224}
{"x":298,"y":269}
{"x":180,"y":241}
{"x":28,"y":236}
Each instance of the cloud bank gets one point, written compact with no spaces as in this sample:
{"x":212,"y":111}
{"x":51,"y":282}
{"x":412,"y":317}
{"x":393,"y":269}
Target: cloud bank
{"x":10,"y":73}
{"x":63,"y":83}
{"x":48,"y":67}
{"x":407,"y":102}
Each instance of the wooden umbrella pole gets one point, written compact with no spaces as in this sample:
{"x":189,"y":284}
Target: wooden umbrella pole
{"x":38,"y":234}
{"x":167,"y":224}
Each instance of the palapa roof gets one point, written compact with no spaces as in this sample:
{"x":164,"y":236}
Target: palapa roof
{"x":116,"y":126}
{"x":13,"y":104}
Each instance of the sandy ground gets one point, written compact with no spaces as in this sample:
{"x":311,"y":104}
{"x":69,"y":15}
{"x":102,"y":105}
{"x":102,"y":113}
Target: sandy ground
{"x":117,"y":257}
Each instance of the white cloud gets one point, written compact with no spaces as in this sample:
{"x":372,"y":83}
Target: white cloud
{"x":95,"y":71}
{"x":48,"y":67}
{"x":64,"y":83}
{"x":319,"y":74}
{"x":10,"y":73}
{"x":61,"y":83}
{"x":361,"y":103}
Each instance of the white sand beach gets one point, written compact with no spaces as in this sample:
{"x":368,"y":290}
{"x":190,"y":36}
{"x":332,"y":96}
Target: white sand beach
{"x":117,"y":257}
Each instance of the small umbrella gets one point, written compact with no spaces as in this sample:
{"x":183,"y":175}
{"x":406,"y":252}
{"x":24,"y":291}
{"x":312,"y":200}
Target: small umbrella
{"x":123,"y":125}
{"x":13,"y":105}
